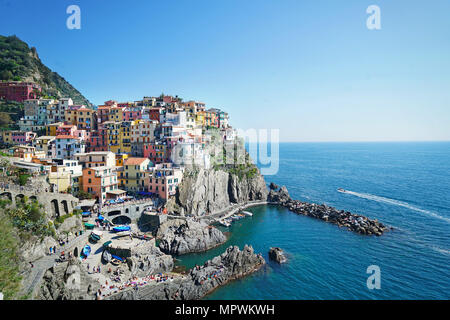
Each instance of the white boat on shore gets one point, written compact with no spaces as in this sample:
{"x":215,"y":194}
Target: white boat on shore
{"x":224,"y":223}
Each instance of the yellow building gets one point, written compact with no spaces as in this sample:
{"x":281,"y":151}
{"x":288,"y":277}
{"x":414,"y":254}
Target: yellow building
{"x":125,"y":137}
{"x":7,"y":137}
{"x":200,"y":118}
{"x":133,"y":176}
{"x":82,"y":117}
{"x":50,"y":129}
{"x":61,"y":181}
{"x":120,"y":159}
{"x":113,"y":135}
{"x":115,"y":114}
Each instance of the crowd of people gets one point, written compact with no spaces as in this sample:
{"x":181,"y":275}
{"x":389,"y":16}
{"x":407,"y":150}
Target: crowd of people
{"x":108,"y":289}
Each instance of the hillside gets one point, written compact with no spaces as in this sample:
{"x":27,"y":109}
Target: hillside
{"x":21,"y":63}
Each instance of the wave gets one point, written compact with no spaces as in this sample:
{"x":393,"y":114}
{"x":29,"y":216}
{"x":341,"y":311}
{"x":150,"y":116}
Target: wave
{"x":396,"y":203}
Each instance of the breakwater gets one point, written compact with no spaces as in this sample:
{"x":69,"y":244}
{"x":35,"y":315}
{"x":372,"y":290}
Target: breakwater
{"x":353,"y":222}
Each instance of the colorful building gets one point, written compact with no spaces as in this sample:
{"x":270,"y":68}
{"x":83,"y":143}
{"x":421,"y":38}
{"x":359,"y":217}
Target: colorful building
{"x":133,"y":176}
{"x":101,"y":182}
{"x":19,"y":91}
{"x":66,"y":146}
{"x":163,"y":179}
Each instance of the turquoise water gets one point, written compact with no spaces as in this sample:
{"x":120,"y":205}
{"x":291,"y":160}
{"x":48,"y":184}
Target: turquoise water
{"x":405,"y":185}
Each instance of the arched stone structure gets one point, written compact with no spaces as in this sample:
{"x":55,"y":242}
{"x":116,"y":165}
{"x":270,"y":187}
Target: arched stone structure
{"x":121,"y":220}
{"x":65,"y":206}
{"x":114,"y":213}
{"x":55,"y":207}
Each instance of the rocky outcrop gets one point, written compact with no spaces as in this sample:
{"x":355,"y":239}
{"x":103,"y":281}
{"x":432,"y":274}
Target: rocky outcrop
{"x":276,"y":254}
{"x":73,"y":223}
{"x":68,"y":281}
{"x":148,"y":259}
{"x":35,"y":248}
{"x":200,"y":281}
{"x":208,"y":191}
{"x":190,"y":236}
{"x":354,"y":222}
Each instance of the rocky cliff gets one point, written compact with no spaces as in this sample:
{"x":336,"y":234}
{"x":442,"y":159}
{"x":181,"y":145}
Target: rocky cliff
{"x":148,"y":259}
{"x":68,"y":281}
{"x":190,"y":236}
{"x":230,"y":265}
{"x":206,"y":191}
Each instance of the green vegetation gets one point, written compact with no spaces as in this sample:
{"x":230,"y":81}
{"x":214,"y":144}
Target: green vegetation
{"x":9,"y":258}
{"x":29,"y":219}
{"x":59,"y":220}
{"x":23,"y":179}
{"x":10,"y":113}
{"x":83,"y":195}
{"x":20,"y":63}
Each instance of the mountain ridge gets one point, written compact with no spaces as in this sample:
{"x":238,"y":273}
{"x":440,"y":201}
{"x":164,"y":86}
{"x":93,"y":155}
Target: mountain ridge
{"x":19,"y":62}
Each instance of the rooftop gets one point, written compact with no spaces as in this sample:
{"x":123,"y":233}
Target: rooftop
{"x":134,"y":161}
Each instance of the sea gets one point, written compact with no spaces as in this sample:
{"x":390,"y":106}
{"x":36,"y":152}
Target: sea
{"x":405,"y":185}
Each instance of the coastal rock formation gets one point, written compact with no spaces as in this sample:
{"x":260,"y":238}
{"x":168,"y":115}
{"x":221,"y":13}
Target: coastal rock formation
{"x":277,"y":255}
{"x":354,"y":222}
{"x":230,"y":265}
{"x":68,"y":281}
{"x":35,"y":248}
{"x":208,"y":191}
{"x":191,"y":236}
{"x":148,"y":259}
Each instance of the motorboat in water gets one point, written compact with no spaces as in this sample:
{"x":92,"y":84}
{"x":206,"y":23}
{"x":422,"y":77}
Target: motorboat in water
{"x":249,"y":214}
{"x":224,"y":223}
{"x":341,"y":190}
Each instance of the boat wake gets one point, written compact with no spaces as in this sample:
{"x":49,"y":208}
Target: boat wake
{"x":394,"y":202}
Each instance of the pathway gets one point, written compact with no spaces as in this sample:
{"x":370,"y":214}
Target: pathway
{"x":43,"y":264}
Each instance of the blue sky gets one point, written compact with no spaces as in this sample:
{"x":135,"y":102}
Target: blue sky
{"x":309,"y":68}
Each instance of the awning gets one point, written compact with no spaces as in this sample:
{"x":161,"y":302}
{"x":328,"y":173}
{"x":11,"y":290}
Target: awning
{"x":116,"y":192}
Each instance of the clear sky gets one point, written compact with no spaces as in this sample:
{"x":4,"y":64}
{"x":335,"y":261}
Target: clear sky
{"x":310,"y":68}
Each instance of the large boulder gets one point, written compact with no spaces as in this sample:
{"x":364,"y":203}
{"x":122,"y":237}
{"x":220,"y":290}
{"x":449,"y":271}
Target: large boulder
{"x":230,"y":265}
{"x":276,"y":254}
{"x":148,"y":259}
{"x":191,"y":236}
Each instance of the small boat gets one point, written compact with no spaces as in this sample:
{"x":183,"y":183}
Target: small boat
{"x":106,"y":244}
{"x":341,"y":190}
{"x":89,"y":225}
{"x":106,"y":256}
{"x":116,"y":260}
{"x":247,"y":213}
{"x":94,"y":238}
{"x":86,"y":251}
{"x":224,"y":223}
{"x":86,"y":214}
{"x":121,"y":228}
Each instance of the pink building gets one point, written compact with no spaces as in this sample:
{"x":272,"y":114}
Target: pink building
{"x":21,"y":137}
{"x":163,"y":180}
{"x":19,"y":91}
{"x":132,"y":113}
{"x":156,"y":152}
{"x":98,"y":140}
